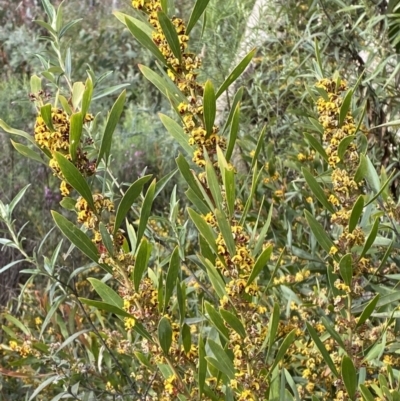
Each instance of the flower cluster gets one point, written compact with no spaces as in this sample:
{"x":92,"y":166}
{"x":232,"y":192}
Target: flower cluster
{"x":184,"y":73}
{"x":56,"y":139}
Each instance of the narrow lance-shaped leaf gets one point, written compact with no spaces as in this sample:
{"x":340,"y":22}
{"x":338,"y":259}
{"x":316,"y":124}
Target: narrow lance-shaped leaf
{"x":319,"y":232}
{"x":234,"y":322}
{"x":87,"y":96}
{"x":204,"y":229}
{"x":74,"y":178}
{"x":106,"y":238}
{"x":209,"y":107}
{"x":356,"y":213}
{"x":322,"y":349}
{"x":235,"y":74}
{"x":18,"y":132}
{"x":45,"y":112}
{"x":221,"y":360}
{"x":197,"y":12}
{"x":77,"y":93}
{"x":346,"y":269}
{"x":112,"y":122}
{"x":165,"y":335}
{"x":75,"y":132}
{"x":78,"y":238}
{"x":260,"y":264}
{"x":233,"y":133}
{"x":236,"y":100}
{"x":368,"y":310}
{"x":215,"y":318}
{"x":286,"y":343}
{"x":349,"y":376}
{"x":177,"y":132}
{"x":225,"y":229}
{"x":144,"y":40}
{"x":170,"y":34}
{"x":344,"y":144}
{"x":106,"y":293}
{"x":141,"y":263}
{"x":317,"y":190}
{"x":172,"y":276}
{"x":127,"y":200}
{"x":317,"y":146}
{"x":345,"y":107}
{"x":187,"y":174}
{"x":371,"y":237}
{"x":146,"y":209}
{"x":273,"y":327}
{"x":27,"y":152}
{"x":202,"y":370}
{"x":216,"y":280}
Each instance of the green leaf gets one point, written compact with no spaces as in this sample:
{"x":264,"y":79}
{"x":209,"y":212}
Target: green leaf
{"x":186,"y":338}
{"x":68,"y":203}
{"x":356,"y":213}
{"x":204,"y":229}
{"x":106,"y":293}
{"x":225,"y":229}
{"x":145,"y":27}
{"x":273,"y":327}
{"x":209,"y":107}
{"x":196,"y":201}
{"x":165,"y":335}
{"x":345,"y":107}
{"x":75,"y":133}
{"x":112,"y":122}
{"x":45,"y":112}
{"x":160,"y":185}
{"x":317,"y":146}
{"x":127,"y":200}
{"x":102,"y":93}
{"x":67,"y":27}
{"x":368,"y":310}
{"x":87,"y":96}
{"x":141,"y":263}
{"x":106,"y":307}
{"x":17,"y":324}
{"x":202,"y":369}
{"x":317,"y":190}
{"x":172,"y":276}
{"x":263,"y":233}
{"x":235,"y":74}
{"x":319,"y":61}
{"x":334,"y":334}
{"x":181,"y":298}
{"x":229,"y":183}
{"x":144,"y":40}
{"x":233,"y":133}
{"x":27,"y":152}
{"x":197,"y":12}
{"x":322,"y":349}
{"x":344,"y":144}
{"x":234,"y":322}
{"x":74,"y":178}
{"x":349,"y":376}
{"x":36,"y":84}
{"x":261,"y":262}
{"x":367,"y":396}
{"x":78,"y":238}
{"x":286,"y":343}
{"x":170,"y":33}
{"x":222,"y":361}
{"x":216,"y":320}
{"x":260,"y":143}
{"x":18,"y":132}
{"x":44,"y":384}
{"x":106,"y":238}
{"x":216,"y":280}
{"x":236,"y":100}
{"x":371,"y":237}
{"x":346,"y":268}
{"x":177,"y":132}
{"x":367,"y":170}
{"x":146,"y":209}
{"x":383,"y":190}
{"x":164,"y":85}
{"x":187,"y":174}
{"x":77,"y":93}
{"x":319,"y":232}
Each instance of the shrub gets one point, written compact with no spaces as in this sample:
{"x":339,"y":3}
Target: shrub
{"x":276,"y":285}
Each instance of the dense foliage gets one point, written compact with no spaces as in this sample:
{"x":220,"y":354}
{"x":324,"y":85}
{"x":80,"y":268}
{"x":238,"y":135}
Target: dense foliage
{"x":260,"y":262}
